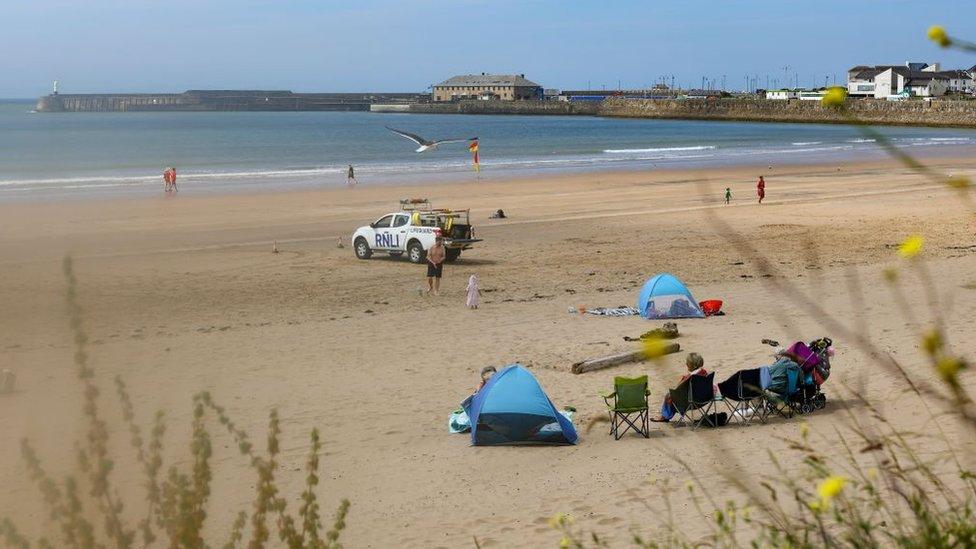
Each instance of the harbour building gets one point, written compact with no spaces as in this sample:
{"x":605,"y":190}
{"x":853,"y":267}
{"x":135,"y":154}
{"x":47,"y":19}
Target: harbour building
{"x":504,"y":87}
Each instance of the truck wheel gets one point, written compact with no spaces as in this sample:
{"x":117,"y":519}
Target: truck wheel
{"x":362,"y":248}
{"x":452,"y":255}
{"x":416,"y":253}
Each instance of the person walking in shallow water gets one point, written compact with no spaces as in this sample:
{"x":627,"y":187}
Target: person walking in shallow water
{"x":761,"y":189}
{"x":728,"y":194}
{"x":351,"y":176}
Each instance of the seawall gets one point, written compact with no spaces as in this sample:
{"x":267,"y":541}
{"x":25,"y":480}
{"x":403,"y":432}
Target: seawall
{"x":218,"y":100}
{"x":949,"y":113}
{"x":946,"y":113}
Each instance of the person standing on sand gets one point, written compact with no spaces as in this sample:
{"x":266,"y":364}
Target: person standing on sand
{"x":351,"y":176}
{"x":435,"y":265}
{"x":761,"y":189}
{"x":473,"y":292}
{"x":728,"y":194}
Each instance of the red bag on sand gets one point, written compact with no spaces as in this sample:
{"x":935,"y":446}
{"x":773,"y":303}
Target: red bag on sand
{"x":711,"y":306}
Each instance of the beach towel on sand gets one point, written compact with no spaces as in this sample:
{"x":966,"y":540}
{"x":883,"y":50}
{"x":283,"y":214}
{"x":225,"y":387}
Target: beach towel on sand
{"x":459,"y":422}
{"x":613,"y":311}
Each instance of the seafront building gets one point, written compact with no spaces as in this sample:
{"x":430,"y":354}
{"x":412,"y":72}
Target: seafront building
{"x":504,"y":87}
{"x":910,"y":79}
{"x":798,"y":93}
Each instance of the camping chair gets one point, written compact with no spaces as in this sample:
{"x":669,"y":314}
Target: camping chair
{"x":742,"y":392}
{"x":695,"y":395}
{"x":629,"y":406}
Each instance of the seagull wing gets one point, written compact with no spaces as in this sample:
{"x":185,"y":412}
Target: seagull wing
{"x":442,"y":141}
{"x":411,"y":136}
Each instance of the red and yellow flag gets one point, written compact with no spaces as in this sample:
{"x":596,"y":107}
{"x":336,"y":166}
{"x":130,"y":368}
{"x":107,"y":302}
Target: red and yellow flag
{"x":473,"y":147}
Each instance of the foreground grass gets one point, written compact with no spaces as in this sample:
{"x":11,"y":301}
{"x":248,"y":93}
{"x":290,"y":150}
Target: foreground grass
{"x":85,"y":511}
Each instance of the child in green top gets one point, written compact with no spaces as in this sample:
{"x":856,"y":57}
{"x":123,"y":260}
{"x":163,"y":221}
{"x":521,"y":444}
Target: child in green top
{"x":728,"y":194}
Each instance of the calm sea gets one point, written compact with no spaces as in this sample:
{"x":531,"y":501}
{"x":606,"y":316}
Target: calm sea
{"x":95,"y":154}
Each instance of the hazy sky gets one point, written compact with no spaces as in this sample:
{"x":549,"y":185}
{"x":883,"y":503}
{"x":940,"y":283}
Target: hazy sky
{"x":407,"y":45}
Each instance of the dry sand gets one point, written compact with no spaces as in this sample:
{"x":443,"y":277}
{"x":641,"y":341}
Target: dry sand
{"x":184,"y":294}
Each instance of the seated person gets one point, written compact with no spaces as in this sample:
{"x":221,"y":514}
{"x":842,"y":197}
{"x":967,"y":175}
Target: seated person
{"x":696,"y":367}
{"x":486,"y":374}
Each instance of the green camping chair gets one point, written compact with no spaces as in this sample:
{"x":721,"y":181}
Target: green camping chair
{"x":628,"y":408}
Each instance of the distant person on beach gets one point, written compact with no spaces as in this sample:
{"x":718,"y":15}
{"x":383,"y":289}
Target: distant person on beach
{"x":473,"y":293}
{"x":728,"y":194}
{"x":761,"y":189}
{"x":351,"y":176}
{"x":435,"y":265}
{"x":169,"y":179}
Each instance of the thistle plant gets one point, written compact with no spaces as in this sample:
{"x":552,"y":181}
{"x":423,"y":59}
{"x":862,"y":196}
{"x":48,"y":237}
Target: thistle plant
{"x":176,"y":504}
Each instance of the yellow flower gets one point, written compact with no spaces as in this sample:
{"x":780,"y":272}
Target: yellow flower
{"x":937,"y":34}
{"x":559,"y":519}
{"x":932,"y":342}
{"x":834,"y":97}
{"x":815,"y":506}
{"x":911,"y":246}
{"x":830,"y":488}
{"x":690,"y":485}
{"x":564,"y":543}
{"x":653,"y":347}
{"x":949,"y":367}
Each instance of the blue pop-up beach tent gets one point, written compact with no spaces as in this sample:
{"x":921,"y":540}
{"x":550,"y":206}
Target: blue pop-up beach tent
{"x":512,"y":408}
{"x":664,"y":296}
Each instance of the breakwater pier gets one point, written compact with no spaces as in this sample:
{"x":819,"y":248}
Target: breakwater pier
{"x":219,"y":100}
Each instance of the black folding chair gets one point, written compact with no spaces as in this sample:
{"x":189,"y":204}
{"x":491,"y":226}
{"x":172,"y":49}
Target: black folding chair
{"x":695,"y":396}
{"x":743,"y":394}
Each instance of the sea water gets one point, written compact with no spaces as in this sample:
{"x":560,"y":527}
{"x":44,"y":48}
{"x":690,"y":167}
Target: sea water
{"x":44,"y":155}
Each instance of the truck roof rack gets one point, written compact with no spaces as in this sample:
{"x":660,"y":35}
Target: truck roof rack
{"x":412,"y":204}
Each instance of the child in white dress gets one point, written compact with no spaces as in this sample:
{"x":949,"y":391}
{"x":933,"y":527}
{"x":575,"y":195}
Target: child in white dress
{"x":473,"y":292}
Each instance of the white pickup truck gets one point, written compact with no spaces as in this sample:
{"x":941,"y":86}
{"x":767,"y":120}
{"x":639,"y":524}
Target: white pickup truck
{"x":413,"y":230}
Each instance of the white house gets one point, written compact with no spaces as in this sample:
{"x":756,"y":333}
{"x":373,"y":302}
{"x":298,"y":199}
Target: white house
{"x":960,"y":81}
{"x":781,"y":94}
{"x":897,"y":80}
{"x":917,"y":79}
{"x":811,"y":95}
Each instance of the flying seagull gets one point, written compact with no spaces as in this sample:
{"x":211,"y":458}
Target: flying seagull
{"x":426,"y":145}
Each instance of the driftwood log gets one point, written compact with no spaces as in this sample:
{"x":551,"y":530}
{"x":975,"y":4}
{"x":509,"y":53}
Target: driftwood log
{"x":622,"y":358}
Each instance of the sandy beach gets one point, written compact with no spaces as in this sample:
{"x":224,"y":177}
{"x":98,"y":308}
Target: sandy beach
{"x":184,"y":294}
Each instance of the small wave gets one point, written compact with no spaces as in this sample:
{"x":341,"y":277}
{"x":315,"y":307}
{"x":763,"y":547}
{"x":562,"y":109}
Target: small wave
{"x":861,"y":140}
{"x":659,"y":149}
{"x":803,"y":143}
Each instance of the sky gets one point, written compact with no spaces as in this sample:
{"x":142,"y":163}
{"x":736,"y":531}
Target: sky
{"x":407,"y":45}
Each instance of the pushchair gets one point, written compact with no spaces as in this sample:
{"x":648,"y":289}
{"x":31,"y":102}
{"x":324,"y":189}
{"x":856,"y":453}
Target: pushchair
{"x":814,"y":362}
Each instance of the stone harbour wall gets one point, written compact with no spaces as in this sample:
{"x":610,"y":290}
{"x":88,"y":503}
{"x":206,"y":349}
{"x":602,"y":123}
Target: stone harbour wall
{"x":948,"y":113}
